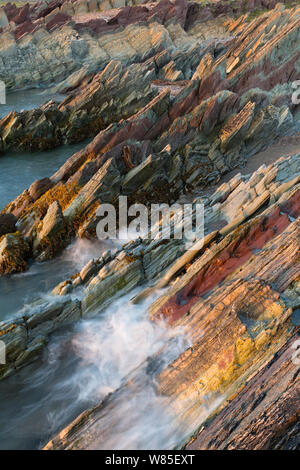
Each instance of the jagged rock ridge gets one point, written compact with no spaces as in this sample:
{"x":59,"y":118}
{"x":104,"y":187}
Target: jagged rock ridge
{"x":170,"y":108}
{"x":214,"y":123}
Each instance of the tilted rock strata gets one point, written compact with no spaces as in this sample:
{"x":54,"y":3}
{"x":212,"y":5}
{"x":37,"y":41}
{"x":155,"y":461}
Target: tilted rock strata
{"x":42,"y":45}
{"x":44,"y":51}
{"x":240,"y":327}
{"x":110,"y":96}
{"x":264,"y":415}
{"x":181,"y":119}
{"x":18,"y":131}
{"x":234,"y":298}
{"x":173,"y":143}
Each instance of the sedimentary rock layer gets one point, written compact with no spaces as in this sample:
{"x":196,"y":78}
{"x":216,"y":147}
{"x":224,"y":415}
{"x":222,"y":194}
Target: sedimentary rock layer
{"x":43,"y":43}
{"x":235,"y":303}
{"x":264,"y":415}
{"x":170,"y":108}
{"x":167,"y":144}
{"x":108,"y":97}
{"x":253,"y":213}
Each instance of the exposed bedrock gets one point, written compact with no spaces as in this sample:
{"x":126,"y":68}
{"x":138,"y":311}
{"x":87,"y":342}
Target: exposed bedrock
{"x":258,"y":236}
{"x":43,"y":44}
{"x":239,"y":330}
{"x":155,"y":145}
{"x":115,"y":93}
{"x":50,"y":49}
{"x":264,"y":415}
{"x":262,"y":65}
{"x":234,"y":295}
{"x":174,"y":94}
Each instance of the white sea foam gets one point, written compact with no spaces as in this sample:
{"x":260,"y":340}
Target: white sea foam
{"x":97,"y":358}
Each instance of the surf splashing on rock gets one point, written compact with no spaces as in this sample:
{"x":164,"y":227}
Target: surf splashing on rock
{"x":113,"y":357}
{"x":122,"y":353}
{"x":81,"y":366}
{"x":111,"y":349}
{"x":19,"y":290}
{"x":81,"y":251}
{"x":120,"y":341}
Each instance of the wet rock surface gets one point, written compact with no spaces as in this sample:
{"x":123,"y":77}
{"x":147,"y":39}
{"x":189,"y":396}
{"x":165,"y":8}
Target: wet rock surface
{"x":171,"y":109}
{"x":217,"y":121}
{"x":235,"y":292}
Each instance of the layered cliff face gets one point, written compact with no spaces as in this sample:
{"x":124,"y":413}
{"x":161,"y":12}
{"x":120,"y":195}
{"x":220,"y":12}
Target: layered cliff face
{"x":44,"y":43}
{"x":153,"y":141}
{"x":234,"y":296}
{"x":174,"y":96}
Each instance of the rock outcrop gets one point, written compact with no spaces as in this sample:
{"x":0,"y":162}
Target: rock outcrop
{"x":154,"y":145}
{"x":42,"y":44}
{"x":250,"y":419}
{"x":14,"y":250}
{"x":236,"y":291}
{"x":170,"y":110}
{"x":235,"y":302}
{"x":115,"y":93}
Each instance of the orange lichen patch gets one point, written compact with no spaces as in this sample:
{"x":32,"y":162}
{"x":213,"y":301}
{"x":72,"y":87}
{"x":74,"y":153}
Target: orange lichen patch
{"x":80,"y":219}
{"x":13,"y":264}
{"x":62,"y":193}
{"x":52,"y":246}
{"x":244,"y":347}
{"x":235,"y":255}
{"x":13,"y":257}
{"x":8,"y":330}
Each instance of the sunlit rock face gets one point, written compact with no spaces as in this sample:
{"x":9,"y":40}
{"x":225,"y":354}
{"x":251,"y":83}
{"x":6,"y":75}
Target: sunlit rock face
{"x":175,"y":98}
{"x":229,"y":97}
